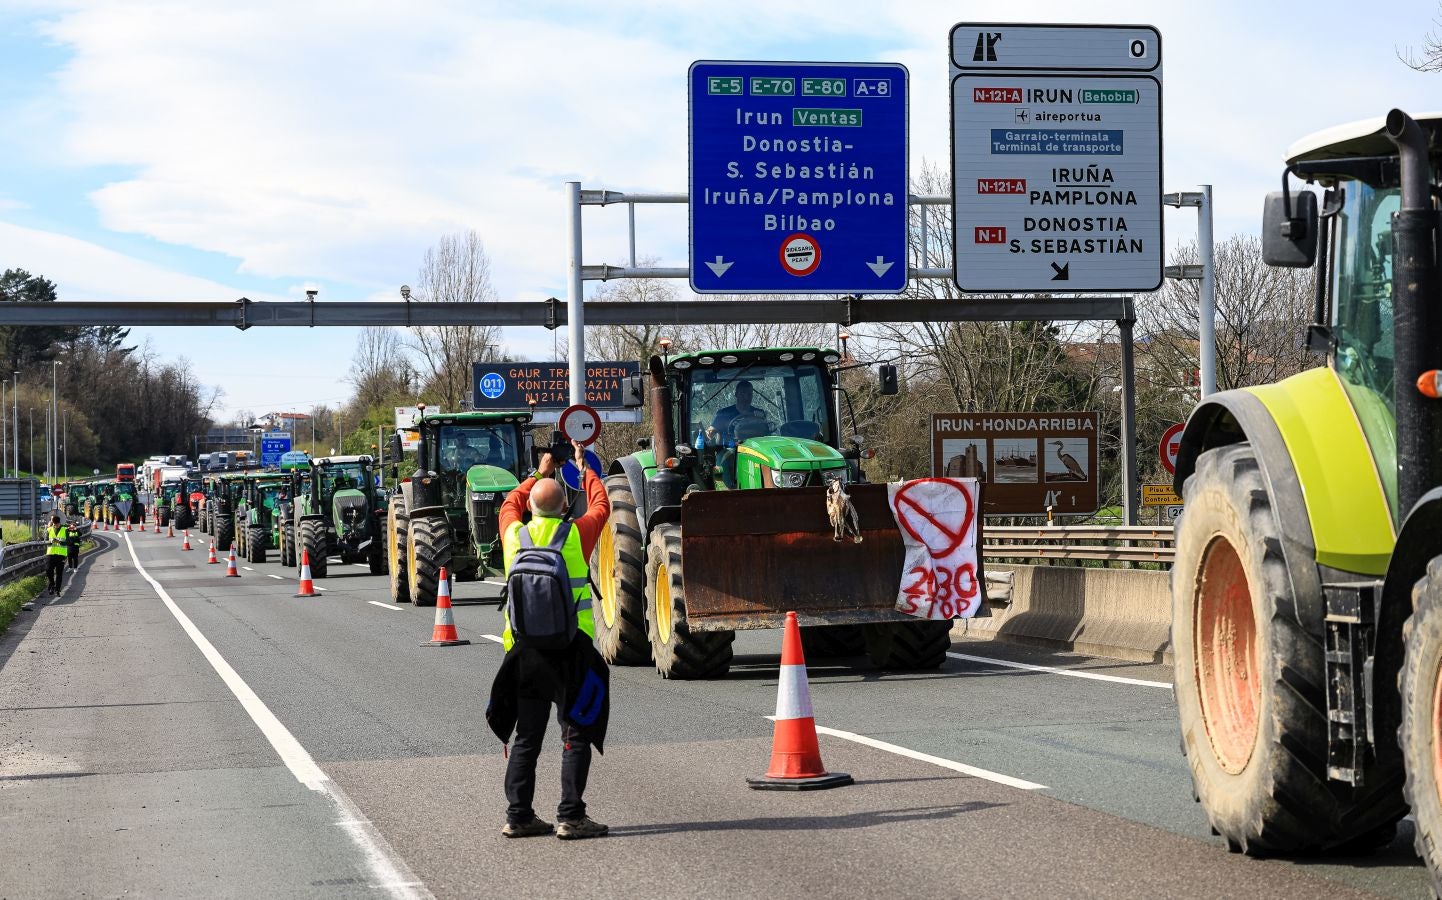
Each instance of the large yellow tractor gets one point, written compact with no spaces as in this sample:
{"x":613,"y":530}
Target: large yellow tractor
{"x":1307,"y":590}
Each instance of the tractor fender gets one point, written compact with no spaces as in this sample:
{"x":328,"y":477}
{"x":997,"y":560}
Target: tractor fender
{"x":666,"y":515}
{"x":635,"y":474}
{"x":1239,"y":416}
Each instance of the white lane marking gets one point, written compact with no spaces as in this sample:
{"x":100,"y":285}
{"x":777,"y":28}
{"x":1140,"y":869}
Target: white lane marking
{"x":384,"y":605}
{"x":276,"y":577}
{"x":362,"y":565}
{"x":322,"y":589}
{"x":1072,"y":673}
{"x":496,"y":583}
{"x":963,"y":768}
{"x":389,"y":871}
{"x":492,"y":637}
{"x":247,"y":568}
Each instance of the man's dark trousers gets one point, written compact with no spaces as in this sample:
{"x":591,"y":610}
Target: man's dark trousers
{"x":54,"y":570}
{"x":532,"y":714}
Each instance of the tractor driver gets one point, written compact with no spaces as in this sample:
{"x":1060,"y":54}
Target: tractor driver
{"x":727,"y":416}
{"x":464,"y":453}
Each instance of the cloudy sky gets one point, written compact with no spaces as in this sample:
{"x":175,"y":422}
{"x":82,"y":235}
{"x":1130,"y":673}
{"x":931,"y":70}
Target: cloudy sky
{"x":204,"y":151}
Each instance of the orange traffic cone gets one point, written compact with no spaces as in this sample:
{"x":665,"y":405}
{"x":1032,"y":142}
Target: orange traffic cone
{"x":444,"y":634}
{"x":212,"y":561}
{"x":186,"y":545}
{"x":795,"y":754}
{"x":230,"y":570}
{"x":307,"y":585}
{"x":142,"y":524}
{"x":170,"y":531}
{"x":129,"y":526}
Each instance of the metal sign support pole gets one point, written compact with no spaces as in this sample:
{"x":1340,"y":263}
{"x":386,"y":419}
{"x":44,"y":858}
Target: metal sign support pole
{"x":575,"y":306}
{"x":1129,"y":420}
{"x":1208,"y":325}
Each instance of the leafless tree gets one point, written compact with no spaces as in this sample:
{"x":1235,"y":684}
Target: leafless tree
{"x":456,"y":270}
{"x":380,"y":371}
{"x":1429,"y":59}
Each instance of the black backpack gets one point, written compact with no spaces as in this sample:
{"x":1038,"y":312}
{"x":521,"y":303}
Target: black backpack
{"x":540,"y":602}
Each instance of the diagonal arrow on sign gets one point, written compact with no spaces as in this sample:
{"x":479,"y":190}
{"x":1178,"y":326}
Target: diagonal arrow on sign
{"x":719,"y":267}
{"x":880,"y":267}
{"x":1063,"y":272}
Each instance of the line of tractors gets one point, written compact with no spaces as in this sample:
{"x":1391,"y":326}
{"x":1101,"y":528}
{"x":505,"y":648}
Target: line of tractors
{"x":719,"y":520}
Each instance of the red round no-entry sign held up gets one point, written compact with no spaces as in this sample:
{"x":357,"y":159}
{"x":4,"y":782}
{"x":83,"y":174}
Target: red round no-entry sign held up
{"x":580,"y":423}
{"x":1171,"y":444}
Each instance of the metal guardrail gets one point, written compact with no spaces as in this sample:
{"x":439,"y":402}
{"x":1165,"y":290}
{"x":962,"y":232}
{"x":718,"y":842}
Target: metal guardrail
{"x":20,"y":559}
{"x":1120,"y":543}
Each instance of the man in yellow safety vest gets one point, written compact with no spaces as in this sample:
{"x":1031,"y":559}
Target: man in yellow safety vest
{"x":57,"y":551}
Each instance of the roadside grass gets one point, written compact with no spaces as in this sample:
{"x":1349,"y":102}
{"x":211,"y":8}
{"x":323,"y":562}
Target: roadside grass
{"x":17,"y":594}
{"x":15,"y":532}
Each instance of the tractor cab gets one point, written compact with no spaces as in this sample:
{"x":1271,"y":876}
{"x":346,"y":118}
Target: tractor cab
{"x":757,"y":418}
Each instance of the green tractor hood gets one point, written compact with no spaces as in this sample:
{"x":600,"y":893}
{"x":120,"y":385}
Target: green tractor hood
{"x":488,"y":479}
{"x":792,"y":454}
{"x":351,"y":510}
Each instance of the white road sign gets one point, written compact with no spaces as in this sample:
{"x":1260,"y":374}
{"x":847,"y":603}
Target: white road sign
{"x":581,"y":424}
{"x":1057,"y":158}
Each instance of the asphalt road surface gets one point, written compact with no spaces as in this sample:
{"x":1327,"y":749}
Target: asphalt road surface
{"x":167,"y":731}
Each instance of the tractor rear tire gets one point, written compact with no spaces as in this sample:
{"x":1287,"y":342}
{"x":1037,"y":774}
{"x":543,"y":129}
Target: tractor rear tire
{"x":619,"y":565}
{"x":831,"y":641}
{"x":163,"y":518}
{"x":397,"y":551}
{"x":678,"y":652}
{"x":376,"y":556}
{"x":255,"y":541}
{"x":287,"y":545}
{"x":313,"y":542}
{"x":428,"y":550}
{"x":908,"y":645}
{"x":1251,"y":681}
{"x":224,"y":533}
{"x":1421,"y":732}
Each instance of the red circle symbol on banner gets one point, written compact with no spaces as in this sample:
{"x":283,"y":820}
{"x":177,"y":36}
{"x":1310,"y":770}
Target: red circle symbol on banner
{"x":1171,"y":444}
{"x":938,"y":530}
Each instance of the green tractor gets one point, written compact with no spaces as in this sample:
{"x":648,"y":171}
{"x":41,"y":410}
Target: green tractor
{"x":210,"y":491}
{"x":223,"y":505}
{"x":726,"y":528}
{"x":340,"y":513}
{"x":444,"y":514}
{"x":256,"y":513}
{"x":1307,"y":587}
{"x":165,"y":502}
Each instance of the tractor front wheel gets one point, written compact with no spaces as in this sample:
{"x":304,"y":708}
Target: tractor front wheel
{"x":620,"y":567}
{"x":224,"y":533}
{"x":1251,"y":681}
{"x":678,"y":651}
{"x":287,"y":545}
{"x":1421,"y":732}
{"x":255,"y":541}
{"x":313,"y":542}
{"x":397,"y":552}
{"x":907,"y":645}
{"x":428,"y":550}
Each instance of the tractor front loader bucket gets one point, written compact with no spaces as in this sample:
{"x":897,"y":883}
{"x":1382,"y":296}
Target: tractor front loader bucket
{"x":752,"y":556}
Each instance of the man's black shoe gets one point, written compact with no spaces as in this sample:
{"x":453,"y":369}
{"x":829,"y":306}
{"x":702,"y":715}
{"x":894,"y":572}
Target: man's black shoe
{"x":532,"y":828}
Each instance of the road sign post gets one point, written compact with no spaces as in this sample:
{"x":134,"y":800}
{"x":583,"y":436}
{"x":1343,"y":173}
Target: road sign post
{"x":799,"y":177}
{"x":1056,"y":157}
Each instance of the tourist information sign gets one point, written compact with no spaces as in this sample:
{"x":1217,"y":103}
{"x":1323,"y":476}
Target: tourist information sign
{"x":798,"y":177}
{"x":1057,"y":157}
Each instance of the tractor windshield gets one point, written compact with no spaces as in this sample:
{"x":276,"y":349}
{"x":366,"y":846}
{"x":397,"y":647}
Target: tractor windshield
{"x":1362,"y":317}
{"x":463,"y":446}
{"x":737,"y":403}
{"x":342,"y":476}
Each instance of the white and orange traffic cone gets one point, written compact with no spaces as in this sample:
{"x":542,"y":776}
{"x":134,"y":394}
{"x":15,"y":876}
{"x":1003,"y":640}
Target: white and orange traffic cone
{"x":230,"y":570}
{"x":142,"y":523}
{"x":186,"y":545}
{"x":212,"y":561}
{"x":795,"y":753}
{"x":444,"y":633}
{"x":307,"y":584}
{"x":170,"y":531}
{"x":129,"y":526}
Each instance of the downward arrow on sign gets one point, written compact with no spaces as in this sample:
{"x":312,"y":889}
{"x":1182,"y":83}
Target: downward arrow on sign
{"x":880,"y":267}
{"x":719,"y":267}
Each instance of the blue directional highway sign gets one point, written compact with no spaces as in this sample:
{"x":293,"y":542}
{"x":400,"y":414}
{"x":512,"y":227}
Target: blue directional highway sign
{"x":798,"y":178}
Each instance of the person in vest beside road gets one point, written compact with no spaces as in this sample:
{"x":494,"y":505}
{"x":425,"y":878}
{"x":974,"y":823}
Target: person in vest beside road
{"x":540,"y":675}
{"x":57,"y":552}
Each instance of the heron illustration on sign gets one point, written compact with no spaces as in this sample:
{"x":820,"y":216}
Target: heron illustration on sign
{"x":1074,"y":469}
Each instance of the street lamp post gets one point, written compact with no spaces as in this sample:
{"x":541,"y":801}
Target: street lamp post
{"x":15,"y":421}
{"x":54,"y":417}
{"x":32,"y":442}
{"x":65,"y":439}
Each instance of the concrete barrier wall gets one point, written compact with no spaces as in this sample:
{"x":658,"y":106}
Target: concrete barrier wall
{"x":1122,"y":613}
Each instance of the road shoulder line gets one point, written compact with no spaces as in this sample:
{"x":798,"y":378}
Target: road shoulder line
{"x":390,"y":872}
{"x":907,"y":752}
{"x":1052,"y":670}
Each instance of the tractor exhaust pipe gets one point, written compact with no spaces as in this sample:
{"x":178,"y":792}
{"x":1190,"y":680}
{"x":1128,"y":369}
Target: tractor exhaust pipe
{"x":668,"y":485}
{"x":1414,"y":302}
